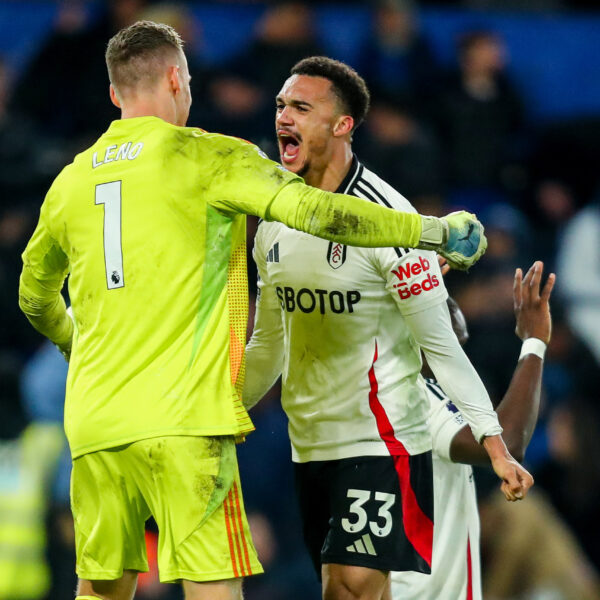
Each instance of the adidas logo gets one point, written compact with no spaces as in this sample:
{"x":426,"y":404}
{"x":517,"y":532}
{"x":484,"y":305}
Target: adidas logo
{"x":363,"y":545}
{"x":273,"y":255}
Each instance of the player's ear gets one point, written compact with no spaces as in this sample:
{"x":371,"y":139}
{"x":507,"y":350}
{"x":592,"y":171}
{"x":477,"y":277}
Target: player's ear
{"x":343,"y":126}
{"x":113,"y":96}
{"x":174,"y":79}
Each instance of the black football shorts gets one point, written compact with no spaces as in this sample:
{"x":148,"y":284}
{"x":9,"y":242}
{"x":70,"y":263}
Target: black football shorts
{"x":368,"y":511}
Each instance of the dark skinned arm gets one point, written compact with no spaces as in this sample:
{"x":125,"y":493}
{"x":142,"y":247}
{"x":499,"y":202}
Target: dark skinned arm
{"x":518,"y":411}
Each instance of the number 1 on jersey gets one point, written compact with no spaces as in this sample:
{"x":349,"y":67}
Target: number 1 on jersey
{"x":109,"y":194}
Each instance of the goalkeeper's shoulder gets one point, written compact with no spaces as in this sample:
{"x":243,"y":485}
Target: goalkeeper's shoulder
{"x":223,"y":145}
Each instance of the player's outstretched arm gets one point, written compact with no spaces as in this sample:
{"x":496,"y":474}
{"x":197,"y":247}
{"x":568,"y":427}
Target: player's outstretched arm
{"x":349,"y":220}
{"x":248,"y":182}
{"x":519,"y":408}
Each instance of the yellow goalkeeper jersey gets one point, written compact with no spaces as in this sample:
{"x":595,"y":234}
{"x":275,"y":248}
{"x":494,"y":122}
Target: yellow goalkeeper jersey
{"x":150,"y":224}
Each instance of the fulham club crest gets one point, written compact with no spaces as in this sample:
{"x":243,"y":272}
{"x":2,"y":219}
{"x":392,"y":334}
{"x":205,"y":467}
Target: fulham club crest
{"x":336,"y":255}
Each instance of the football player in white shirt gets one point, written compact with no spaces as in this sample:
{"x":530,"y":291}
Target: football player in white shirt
{"x":345,"y":327}
{"x":455,"y":570}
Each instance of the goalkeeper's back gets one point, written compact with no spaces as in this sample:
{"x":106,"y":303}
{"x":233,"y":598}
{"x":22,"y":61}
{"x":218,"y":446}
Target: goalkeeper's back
{"x":157,"y":280}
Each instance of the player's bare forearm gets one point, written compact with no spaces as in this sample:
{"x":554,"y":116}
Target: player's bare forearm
{"x":465,"y":449}
{"x":518,"y":411}
{"x":520,"y":407}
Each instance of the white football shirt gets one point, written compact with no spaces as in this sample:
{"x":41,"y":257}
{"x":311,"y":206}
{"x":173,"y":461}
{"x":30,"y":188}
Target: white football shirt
{"x":339,"y":324}
{"x":455,"y":569}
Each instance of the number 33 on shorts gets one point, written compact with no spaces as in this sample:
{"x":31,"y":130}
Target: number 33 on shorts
{"x":380,"y":512}
{"x":382,"y":526}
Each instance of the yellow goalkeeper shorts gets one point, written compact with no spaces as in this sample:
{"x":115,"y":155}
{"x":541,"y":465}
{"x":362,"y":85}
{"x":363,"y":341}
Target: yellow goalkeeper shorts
{"x":190,"y":485}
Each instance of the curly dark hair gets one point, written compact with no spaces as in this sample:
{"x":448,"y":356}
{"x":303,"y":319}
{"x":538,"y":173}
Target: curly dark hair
{"x":348,"y":86}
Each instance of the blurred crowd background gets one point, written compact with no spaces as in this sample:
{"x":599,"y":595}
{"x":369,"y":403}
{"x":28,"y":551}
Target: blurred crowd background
{"x":488,"y":105}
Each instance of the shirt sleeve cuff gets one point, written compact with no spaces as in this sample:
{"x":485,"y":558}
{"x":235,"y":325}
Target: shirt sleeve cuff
{"x":487,"y":430}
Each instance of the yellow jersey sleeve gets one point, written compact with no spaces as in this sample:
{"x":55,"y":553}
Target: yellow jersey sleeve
{"x":252,"y":184}
{"x":45,"y":267}
{"x":345,"y":219}
{"x":248,"y":180}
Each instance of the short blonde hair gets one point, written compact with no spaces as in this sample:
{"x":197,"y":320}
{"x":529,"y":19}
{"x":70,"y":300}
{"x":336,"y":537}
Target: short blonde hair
{"x":134,"y":54}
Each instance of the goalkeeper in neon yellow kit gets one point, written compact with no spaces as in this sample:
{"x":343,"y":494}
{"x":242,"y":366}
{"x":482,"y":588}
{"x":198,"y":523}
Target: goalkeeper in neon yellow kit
{"x":150,"y":224}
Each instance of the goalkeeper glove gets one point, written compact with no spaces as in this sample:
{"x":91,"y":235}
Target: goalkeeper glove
{"x":458,"y":237}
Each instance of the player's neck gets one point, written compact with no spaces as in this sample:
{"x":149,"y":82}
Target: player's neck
{"x":333,"y":173}
{"x":145,"y":107}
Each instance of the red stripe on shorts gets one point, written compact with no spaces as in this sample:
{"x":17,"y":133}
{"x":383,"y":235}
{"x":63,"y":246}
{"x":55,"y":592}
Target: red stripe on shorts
{"x":235,"y":532}
{"x":418,"y":527}
{"x":243,"y":536}
{"x":226,"y":510}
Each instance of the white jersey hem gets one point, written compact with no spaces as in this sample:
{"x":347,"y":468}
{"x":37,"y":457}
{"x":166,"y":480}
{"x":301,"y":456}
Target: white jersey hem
{"x":374,"y":448}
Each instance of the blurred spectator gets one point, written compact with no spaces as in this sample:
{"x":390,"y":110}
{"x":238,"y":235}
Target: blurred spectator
{"x":16,"y":146}
{"x":572,"y":475}
{"x":578,"y":266}
{"x":554,"y":205}
{"x":536,"y":556}
{"x":528,"y":5}
{"x":180,"y":17}
{"x":45,"y":92}
{"x":238,"y":106}
{"x":397,"y":60}
{"x":28,"y":161}
{"x":65,"y":88}
{"x":16,"y":225}
{"x":567,"y":151}
{"x":25,"y":466}
{"x":42,"y":387}
{"x":479,"y":113}
{"x":284,"y":36}
{"x":487,"y":303}
{"x":228,"y":101}
{"x":571,"y":368}
{"x":20,"y":182}
{"x":509,"y":236}
{"x":28,"y":454}
{"x":401,"y":149}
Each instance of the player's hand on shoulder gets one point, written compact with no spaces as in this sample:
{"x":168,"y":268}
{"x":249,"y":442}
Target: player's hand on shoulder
{"x":532,"y":303}
{"x":465,"y":241}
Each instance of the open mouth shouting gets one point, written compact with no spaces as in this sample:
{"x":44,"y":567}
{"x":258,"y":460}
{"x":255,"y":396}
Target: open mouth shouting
{"x":289,"y":146}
